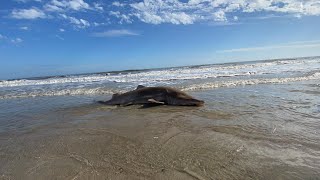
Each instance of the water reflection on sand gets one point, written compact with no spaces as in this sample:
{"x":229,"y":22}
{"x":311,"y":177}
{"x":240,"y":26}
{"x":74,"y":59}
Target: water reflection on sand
{"x":251,"y":132}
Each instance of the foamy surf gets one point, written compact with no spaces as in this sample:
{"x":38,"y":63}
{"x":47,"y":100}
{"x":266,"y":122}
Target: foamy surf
{"x":205,"y":86}
{"x":186,"y":78}
{"x":64,"y":92}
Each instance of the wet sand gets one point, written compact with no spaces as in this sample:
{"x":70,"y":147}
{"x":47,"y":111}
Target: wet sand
{"x":252,"y":132}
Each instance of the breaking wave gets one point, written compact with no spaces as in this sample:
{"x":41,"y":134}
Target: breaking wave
{"x":204,"y":86}
{"x":64,"y":92}
{"x":182,"y":73}
{"x":186,"y":78}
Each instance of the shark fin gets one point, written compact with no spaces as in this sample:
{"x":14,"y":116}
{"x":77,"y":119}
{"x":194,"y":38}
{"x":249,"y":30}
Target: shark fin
{"x":140,"y":86}
{"x":155,"y":101}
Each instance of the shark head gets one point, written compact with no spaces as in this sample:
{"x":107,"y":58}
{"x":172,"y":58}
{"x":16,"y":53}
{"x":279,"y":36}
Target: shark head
{"x":179,"y":98}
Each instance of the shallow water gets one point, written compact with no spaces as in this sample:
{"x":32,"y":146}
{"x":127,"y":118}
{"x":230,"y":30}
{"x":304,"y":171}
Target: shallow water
{"x":264,"y":131}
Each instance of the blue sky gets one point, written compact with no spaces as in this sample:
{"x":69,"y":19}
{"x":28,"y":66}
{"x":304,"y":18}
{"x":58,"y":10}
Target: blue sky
{"x":51,"y":37}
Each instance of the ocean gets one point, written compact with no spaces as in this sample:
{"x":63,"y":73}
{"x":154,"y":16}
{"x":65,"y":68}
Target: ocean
{"x":260,"y":121}
{"x":185,"y":78}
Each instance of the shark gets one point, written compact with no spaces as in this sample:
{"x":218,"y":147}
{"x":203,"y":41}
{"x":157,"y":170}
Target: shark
{"x":153,"y":96}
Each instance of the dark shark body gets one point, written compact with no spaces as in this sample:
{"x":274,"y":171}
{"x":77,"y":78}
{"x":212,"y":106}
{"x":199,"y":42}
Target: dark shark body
{"x":153,"y":96}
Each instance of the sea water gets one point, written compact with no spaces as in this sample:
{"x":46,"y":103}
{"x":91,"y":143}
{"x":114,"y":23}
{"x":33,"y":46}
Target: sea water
{"x":260,"y":121}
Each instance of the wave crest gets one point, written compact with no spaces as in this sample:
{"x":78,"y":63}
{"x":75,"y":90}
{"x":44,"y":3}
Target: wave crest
{"x":212,"y":85}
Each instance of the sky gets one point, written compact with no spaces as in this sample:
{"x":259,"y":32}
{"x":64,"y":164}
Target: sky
{"x":55,"y":37}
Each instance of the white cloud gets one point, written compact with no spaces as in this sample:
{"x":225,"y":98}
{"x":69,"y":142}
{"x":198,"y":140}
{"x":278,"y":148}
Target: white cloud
{"x":57,"y":5}
{"x":149,"y":18}
{"x":16,"y":40}
{"x":24,"y":28}
{"x":24,"y":1}
{"x":123,"y":17}
{"x":32,"y":13}
{"x":173,"y":11}
{"x":268,"y":16}
{"x":99,"y":24}
{"x":98,"y":6}
{"x":84,"y":23}
{"x":117,"y":3}
{"x":77,"y":4}
{"x":10,"y":40}
{"x":219,"y":16}
{"x":52,"y":7}
{"x":79,"y":23}
{"x":63,"y":8}
{"x":61,"y":30}
{"x":157,"y":12}
{"x":192,"y":11}
{"x":116,"y":33}
{"x":179,"y":18}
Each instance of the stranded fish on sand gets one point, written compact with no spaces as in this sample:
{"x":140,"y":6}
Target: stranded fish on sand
{"x":152,"y":96}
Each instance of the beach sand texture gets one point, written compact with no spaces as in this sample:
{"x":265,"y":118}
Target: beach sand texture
{"x":267,"y":131}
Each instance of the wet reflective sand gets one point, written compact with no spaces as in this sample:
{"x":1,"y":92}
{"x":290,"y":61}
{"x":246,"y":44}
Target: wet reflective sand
{"x":251,"y":132}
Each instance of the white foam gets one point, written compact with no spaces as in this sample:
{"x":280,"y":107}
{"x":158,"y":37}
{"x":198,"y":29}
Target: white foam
{"x":202,"y":72}
{"x":212,"y":85}
{"x":72,"y":79}
{"x":204,"y":86}
{"x":63,"y":92}
{"x":211,"y":76}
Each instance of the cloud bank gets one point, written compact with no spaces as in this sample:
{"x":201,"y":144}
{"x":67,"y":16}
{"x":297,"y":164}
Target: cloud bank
{"x":193,"y":11}
{"x":166,"y":11}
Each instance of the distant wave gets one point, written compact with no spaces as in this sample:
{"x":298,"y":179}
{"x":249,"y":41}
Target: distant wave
{"x":171,"y":74}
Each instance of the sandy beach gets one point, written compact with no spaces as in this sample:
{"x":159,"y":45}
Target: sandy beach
{"x":250,"y":132}
{"x":159,"y":90}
